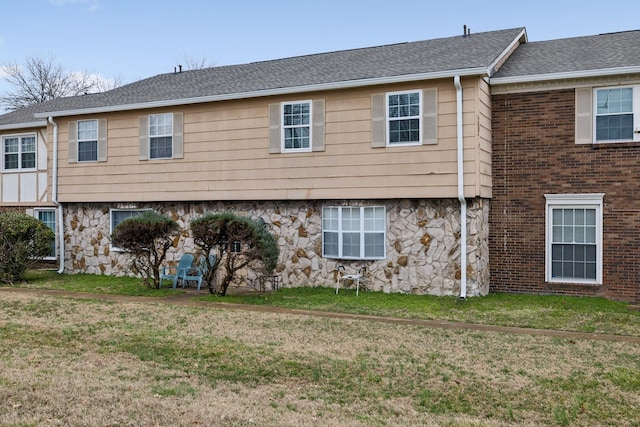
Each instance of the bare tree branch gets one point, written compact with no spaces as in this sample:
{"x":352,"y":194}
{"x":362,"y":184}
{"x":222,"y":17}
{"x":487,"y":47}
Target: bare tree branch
{"x":41,"y":79}
{"x":191,"y":62}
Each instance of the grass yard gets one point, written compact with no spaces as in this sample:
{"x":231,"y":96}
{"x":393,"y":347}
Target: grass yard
{"x":88,"y":362}
{"x":590,"y":315}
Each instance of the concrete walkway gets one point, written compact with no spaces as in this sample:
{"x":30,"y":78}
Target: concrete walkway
{"x":186,"y":300}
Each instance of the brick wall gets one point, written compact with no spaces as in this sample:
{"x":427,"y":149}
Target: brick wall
{"x":533,"y":154}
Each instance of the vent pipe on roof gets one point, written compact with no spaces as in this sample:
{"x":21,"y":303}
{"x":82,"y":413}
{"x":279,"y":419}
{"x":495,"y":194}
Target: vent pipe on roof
{"x":466,"y":31}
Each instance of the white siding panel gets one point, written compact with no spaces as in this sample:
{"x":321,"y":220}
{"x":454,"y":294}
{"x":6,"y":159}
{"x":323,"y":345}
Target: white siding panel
{"x":28,"y":187}
{"x":10,"y":188}
{"x":42,"y":153}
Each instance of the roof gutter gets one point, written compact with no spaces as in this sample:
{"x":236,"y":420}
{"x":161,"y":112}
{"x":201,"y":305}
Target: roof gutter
{"x":12,"y":126}
{"x":483,"y":71}
{"x":564,"y":75}
{"x":54,"y":195}
{"x":463,"y":201}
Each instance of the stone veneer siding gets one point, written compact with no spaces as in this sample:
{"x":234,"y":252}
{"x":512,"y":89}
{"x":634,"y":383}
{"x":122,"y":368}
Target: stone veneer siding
{"x":423,"y":251}
{"x":534,"y":154}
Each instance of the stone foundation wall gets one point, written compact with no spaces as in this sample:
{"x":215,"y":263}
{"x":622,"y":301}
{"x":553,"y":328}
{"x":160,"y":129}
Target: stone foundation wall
{"x":423,"y":251}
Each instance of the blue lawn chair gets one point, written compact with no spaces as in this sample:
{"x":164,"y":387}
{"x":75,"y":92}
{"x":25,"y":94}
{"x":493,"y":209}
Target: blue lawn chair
{"x":174,"y":273}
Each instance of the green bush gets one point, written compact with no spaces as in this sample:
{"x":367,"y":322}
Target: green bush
{"x":237,"y":242}
{"x":147,"y":237}
{"x":24,"y":240}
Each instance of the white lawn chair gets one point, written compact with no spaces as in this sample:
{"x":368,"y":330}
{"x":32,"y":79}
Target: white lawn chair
{"x":341,"y":277}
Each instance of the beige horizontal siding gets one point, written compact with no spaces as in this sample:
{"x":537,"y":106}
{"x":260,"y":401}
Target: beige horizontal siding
{"x":226,"y":155}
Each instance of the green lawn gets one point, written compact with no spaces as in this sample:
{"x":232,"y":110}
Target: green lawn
{"x":581,"y":314}
{"x":87,"y":361}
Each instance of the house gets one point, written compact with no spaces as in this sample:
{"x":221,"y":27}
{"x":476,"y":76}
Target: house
{"x":566,"y":130}
{"x":360,"y":157}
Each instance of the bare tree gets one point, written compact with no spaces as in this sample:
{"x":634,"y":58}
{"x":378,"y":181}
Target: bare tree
{"x":191,"y":62}
{"x":40,"y":79}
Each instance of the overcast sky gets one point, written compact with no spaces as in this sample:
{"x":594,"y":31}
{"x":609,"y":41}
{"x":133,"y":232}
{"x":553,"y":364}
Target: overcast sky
{"x":133,"y":39}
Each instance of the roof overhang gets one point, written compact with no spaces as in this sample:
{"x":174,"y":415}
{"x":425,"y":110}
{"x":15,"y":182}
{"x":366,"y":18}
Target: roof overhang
{"x":565,"y":75}
{"x":465,"y":72}
{"x":520,"y":39}
{"x":12,"y":126}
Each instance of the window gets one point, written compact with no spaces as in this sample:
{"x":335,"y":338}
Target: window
{"x":615,"y":111}
{"x":296,"y":126}
{"x":354,"y":232}
{"x":48,"y":216}
{"x":19,"y":152}
{"x":87,"y":140}
{"x":403,"y":116}
{"x":574,"y":238}
{"x":161,"y":136}
{"x":119,"y":215}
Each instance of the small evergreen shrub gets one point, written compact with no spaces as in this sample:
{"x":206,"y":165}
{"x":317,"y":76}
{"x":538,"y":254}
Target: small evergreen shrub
{"x":147,"y":237}
{"x":237,"y":242}
{"x":24,"y":241}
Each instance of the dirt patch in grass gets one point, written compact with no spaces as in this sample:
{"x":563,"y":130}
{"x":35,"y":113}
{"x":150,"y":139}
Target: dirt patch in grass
{"x":96,"y":363}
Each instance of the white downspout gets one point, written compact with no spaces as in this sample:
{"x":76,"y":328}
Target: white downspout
{"x":54,"y":195}
{"x":463,"y":201}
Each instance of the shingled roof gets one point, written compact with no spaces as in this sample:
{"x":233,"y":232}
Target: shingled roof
{"x":474,"y":54}
{"x":573,"y":57}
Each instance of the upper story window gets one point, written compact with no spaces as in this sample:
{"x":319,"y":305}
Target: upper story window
{"x":87,"y":140}
{"x":296,"y":126}
{"x":354,"y":232}
{"x":19,"y":152}
{"x":614,"y":118}
{"x":404,"y":117}
{"x":161,"y":136}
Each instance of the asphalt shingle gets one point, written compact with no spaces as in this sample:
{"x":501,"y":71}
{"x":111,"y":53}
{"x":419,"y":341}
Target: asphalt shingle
{"x":478,"y":50}
{"x":600,"y":52}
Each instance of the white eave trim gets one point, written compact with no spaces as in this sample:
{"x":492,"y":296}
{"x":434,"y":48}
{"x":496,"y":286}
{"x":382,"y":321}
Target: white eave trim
{"x":523,"y":34}
{"x":565,"y":75}
{"x":478,"y":71}
{"x":39,"y":124}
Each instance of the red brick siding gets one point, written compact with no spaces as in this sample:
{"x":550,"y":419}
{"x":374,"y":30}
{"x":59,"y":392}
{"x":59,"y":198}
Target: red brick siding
{"x":534,"y":153}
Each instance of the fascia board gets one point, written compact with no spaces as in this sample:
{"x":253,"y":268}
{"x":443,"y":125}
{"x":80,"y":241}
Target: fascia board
{"x":566,"y":75}
{"x":479,"y":71}
{"x":523,"y":34}
{"x":12,"y":126}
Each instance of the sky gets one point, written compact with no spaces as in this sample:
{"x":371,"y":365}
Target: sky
{"x":134,"y":39}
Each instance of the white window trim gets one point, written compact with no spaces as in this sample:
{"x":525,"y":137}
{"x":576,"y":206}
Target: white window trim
{"x":111,"y":210}
{"x":390,"y":119}
{"x":150,"y":137}
{"x":361,"y":232}
{"x":97,"y":140}
{"x":636,"y":114}
{"x":19,"y":168}
{"x":573,"y":201}
{"x":55,"y":216}
{"x":283,"y":127}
